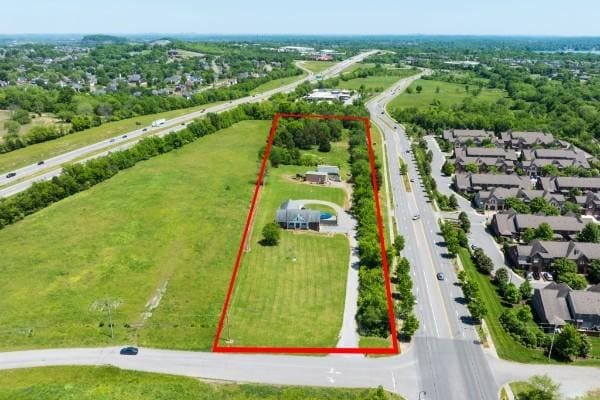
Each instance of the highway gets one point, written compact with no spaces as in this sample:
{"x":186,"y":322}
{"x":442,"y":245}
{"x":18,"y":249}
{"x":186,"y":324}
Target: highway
{"x":51,"y":167}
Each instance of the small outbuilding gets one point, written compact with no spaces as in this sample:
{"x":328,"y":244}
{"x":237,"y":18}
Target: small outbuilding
{"x":316,"y":177}
{"x":332,"y":171}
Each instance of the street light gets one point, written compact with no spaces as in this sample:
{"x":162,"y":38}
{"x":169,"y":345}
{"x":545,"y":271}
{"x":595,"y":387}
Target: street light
{"x":422,"y":392}
{"x":552,"y":342}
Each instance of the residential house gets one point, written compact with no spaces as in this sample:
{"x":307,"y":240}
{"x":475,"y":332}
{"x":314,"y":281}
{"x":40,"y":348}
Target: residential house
{"x":539,"y":255}
{"x":292,"y":215}
{"x":495,"y":199}
{"x":589,"y":203}
{"x":486,"y":159}
{"x":567,"y":184}
{"x":520,"y":141}
{"x":470,"y":183}
{"x":557,"y":304}
{"x":460,"y":137}
{"x":512,"y":225}
{"x":534,"y":160}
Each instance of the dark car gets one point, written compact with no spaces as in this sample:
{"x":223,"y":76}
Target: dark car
{"x":124,"y":136}
{"x":11,"y":174}
{"x":441,"y":276}
{"x":129,"y":351}
{"x":144,"y":130}
{"x":383,"y":112}
{"x":41,"y":162}
{"x":536,"y":275}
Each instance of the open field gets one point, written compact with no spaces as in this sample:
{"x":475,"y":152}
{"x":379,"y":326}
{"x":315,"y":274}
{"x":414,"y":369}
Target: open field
{"x":318,"y":66}
{"x":43,"y":120}
{"x":449,"y":93}
{"x":507,"y":347}
{"x":275,"y":83}
{"x":109,"y":383}
{"x":176,"y":218}
{"x":42,"y":151}
{"x":291,"y":294}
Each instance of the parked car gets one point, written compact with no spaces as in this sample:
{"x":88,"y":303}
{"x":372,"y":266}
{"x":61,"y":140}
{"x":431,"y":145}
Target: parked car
{"x":416,"y":217}
{"x":529,"y":276}
{"x":412,"y":179}
{"x":536,"y":275}
{"x":129,"y":351}
{"x":11,"y":174}
{"x":41,"y":162}
{"x":441,"y":276}
{"x":547,"y":276}
{"x":473,"y":247}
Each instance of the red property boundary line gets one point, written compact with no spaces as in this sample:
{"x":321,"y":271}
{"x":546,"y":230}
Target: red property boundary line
{"x":386,"y":273}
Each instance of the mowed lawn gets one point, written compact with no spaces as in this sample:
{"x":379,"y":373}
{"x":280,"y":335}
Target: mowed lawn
{"x":42,"y":151}
{"x":176,"y":218}
{"x":109,"y":383}
{"x":377,"y":82}
{"x":449,"y":93}
{"x":275,"y":83}
{"x":291,"y":294}
{"x":318,"y":66}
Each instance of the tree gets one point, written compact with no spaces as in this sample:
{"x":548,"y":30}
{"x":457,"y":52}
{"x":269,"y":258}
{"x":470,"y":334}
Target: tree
{"x":526,"y":290}
{"x":593,"y":271}
{"x":518,"y":205}
{"x":21,"y":116}
{"x":563,"y":266}
{"x":399,"y":244}
{"x":472,"y":167}
{"x":419,"y":88}
{"x":477,"y":308}
{"x":452,"y":202}
{"x":590,"y":233}
{"x":541,"y":387}
{"x":12,"y":127}
{"x":568,"y":342}
{"x":512,"y":293}
{"x":570,"y":207}
{"x":271,"y":234}
{"x":465,"y":223}
{"x":410,"y":325}
{"x":528,"y":235}
{"x":463,"y":240}
{"x":544,"y":231}
{"x":448,"y":168}
{"x":575,"y":281}
{"x":325,"y":145}
{"x":501,"y":276}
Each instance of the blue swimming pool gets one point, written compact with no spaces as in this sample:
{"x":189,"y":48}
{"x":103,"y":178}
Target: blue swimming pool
{"x":325,"y":215}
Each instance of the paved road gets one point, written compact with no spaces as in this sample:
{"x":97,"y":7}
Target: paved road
{"x":51,"y":165}
{"x":450,"y":361}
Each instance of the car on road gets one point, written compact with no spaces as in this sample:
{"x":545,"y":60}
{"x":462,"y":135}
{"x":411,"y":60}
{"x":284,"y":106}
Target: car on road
{"x":473,"y":247}
{"x":547,"y":276}
{"x":416,"y":217}
{"x":412,"y":179}
{"x":408,"y":150}
{"x":112,"y":140}
{"x":124,"y":136}
{"x":383,"y":112}
{"x":144,"y":130}
{"x":129,"y":351}
{"x":41,"y":162}
{"x":10,"y":175}
{"x":440,"y":276}
{"x":536,"y":275}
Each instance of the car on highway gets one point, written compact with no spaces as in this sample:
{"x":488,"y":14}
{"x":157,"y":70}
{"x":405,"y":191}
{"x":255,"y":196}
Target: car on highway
{"x":124,"y":136}
{"x":440,"y":276}
{"x":112,"y":140}
{"x":129,"y":351}
{"x":412,"y":179}
{"x":144,"y":130}
{"x":416,"y":217}
{"x":10,"y":175}
{"x":41,"y":162}
{"x":408,"y":150}
{"x":547,"y":276}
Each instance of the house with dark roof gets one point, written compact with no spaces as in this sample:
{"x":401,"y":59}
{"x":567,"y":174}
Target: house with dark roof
{"x":565,"y":184}
{"x":470,"y":183}
{"x":520,"y":141}
{"x":486,"y":159}
{"x":557,"y":304}
{"x":589,"y":203}
{"x":512,"y":225}
{"x":495,"y":199}
{"x":292,"y":215}
{"x":539,"y":255}
{"x":534,"y":160}
{"x":461,"y":137}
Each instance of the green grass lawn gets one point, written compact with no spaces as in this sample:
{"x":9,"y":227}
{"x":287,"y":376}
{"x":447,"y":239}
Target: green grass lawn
{"x":177,"y":218}
{"x":275,"y":83}
{"x":42,"y":151}
{"x":449,"y":93}
{"x":318,"y":66}
{"x":109,"y":383}
{"x":374,"y":341}
{"x":281,"y":302}
{"x":507,"y":347}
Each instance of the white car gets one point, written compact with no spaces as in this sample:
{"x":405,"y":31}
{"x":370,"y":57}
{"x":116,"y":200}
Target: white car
{"x":416,"y":217}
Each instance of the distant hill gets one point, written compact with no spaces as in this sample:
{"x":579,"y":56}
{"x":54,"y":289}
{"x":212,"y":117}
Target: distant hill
{"x":102,"y":39}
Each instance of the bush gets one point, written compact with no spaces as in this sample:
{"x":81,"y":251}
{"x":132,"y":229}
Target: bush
{"x":271,"y":234}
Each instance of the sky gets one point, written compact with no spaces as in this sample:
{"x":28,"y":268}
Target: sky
{"x":371,"y":17}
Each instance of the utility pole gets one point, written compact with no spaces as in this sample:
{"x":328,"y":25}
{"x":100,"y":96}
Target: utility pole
{"x":552,"y":342}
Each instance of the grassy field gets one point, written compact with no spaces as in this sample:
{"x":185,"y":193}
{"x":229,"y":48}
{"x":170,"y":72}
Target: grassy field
{"x":176,"y":218}
{"x":42,"y":151}
{"x":507,"y":347}
{"x":374,"y":341}
{"x":318,"y":66}
{"x":291,"y":294}
{"x":275,"y":83}
{"x":449,"y":93}
{"x":108,"y":383}
{"x":43,"y":120}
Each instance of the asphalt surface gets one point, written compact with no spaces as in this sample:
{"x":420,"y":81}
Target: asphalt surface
{"x":51,"y":165}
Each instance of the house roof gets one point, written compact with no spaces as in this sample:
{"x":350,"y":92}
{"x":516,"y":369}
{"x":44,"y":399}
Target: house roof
{"x":533,"y":137}
{"x":557,"y":222}
{"x":317,"y":173}
{"x":568,"y":182}
{"x":329,"y":169}
{"x":554,"y":306}
{"x":584,"y":302}
{"x":572,"y":250}
{"x":293,"y":211}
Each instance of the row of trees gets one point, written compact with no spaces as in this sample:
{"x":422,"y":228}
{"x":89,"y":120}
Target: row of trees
{"x":406,"y":302}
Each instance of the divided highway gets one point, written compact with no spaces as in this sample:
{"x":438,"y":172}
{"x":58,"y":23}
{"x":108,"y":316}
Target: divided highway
{"x":35,"y":172}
